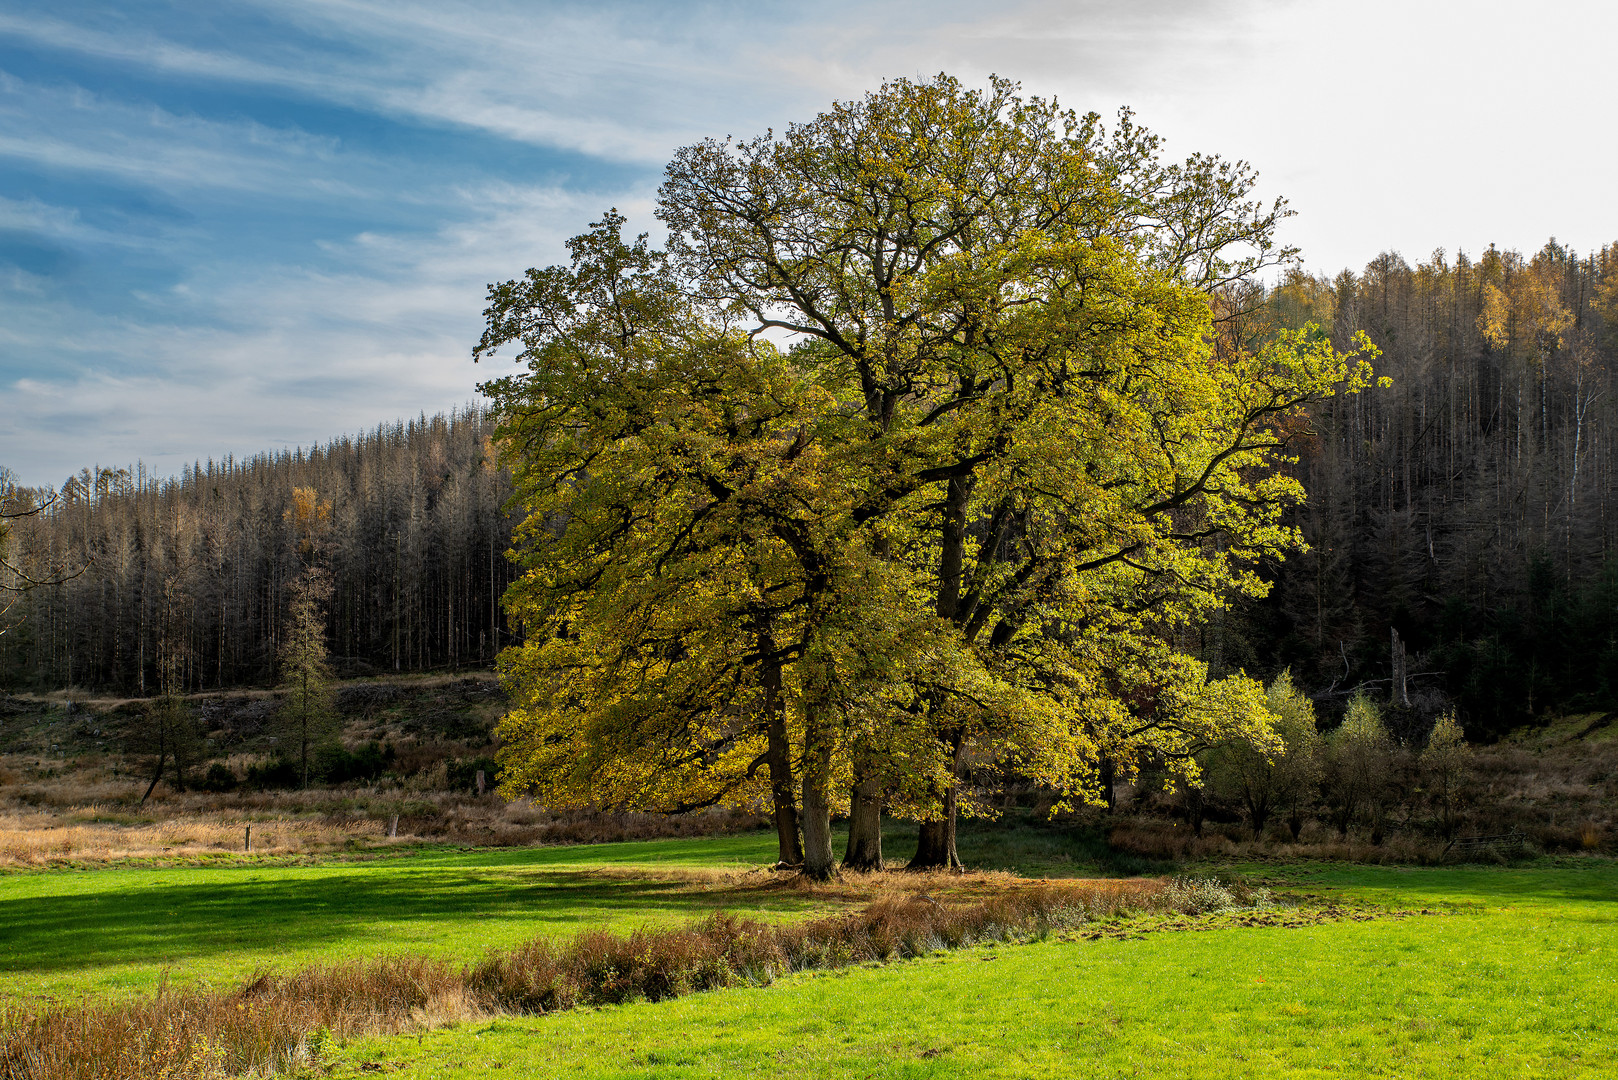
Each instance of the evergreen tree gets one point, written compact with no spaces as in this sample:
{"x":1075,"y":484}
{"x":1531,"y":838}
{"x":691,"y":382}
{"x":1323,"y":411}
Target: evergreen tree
{"x":308,"y":714}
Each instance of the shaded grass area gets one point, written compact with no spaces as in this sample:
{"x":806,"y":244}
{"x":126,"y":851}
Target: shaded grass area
{"x":284,"y":1024}
{"x":1519,"y":979}
{"x":115,"y":930}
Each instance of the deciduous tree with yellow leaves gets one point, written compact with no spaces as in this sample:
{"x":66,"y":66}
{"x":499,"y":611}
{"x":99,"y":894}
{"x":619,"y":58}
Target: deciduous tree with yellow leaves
{"x":917,"y":446}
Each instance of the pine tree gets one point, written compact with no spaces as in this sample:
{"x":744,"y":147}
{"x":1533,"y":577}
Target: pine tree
{"x":308,"y":715}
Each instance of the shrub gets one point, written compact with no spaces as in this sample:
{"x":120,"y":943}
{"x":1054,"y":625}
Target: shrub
{"x":1200,"y":896}
{"x":1359,"y":767}
{"x":1270,"y":780}
{"x":463,"y":775}
{"x":219,"y":778}
{"x":1446,"y":767}
{"x":339,"y":765}
{"x":279,"y":773}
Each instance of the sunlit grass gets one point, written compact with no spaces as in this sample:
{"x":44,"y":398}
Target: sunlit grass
{"x":118,"y":928}
{"x":1518,"y":976}
{"x":111,"y":930}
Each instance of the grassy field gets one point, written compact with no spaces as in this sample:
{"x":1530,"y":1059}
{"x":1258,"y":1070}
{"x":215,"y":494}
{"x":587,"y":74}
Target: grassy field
{"x":64,"y":934}
{"x":1514,"y":971}
{"x":118,"y":929}
{"x":1516,"y":974}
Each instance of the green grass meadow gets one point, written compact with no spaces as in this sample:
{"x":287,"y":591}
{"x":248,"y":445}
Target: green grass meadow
{"x":1513,"y":971}
{"x":66,"y":933}
{"x":1515,"y":975}
{"x":119,"y":929}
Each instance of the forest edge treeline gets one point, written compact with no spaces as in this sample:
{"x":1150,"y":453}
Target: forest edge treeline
{"x":202,"y":566}
{"x":1466,"y":508}
{"x":1419,"y":518}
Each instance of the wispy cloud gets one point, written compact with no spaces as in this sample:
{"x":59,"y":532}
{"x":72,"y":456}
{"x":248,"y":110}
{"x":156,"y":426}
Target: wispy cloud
{"x":240,"y":224}
{"x":248,"y":360}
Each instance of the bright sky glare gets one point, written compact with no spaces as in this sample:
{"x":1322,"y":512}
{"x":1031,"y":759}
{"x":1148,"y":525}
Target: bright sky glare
{"x":237,"y":226}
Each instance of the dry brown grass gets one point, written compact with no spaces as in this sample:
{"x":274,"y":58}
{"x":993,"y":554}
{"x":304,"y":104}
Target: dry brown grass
{"x":41,"y":839}
{"x":274,"y":1023}
{"x":268,"y":1025}
{"x":107,"y":824}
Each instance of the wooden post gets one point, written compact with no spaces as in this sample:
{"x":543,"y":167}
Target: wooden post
{"x":480,"y":781}
{"x":393,"y":827}
{"x":247,"y":838}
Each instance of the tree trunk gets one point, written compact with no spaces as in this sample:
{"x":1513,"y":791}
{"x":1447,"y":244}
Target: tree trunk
{"x":303,"y":733}
{"x":779,"y":760}
{"x":1195,"y":808}
{"x":1398,"y":694}
{"x":819,"y":863}
{"x":935,"y":842}
{"x":162,"y":756}
{"x":1258,"y":814}
{"x":864,"y":851}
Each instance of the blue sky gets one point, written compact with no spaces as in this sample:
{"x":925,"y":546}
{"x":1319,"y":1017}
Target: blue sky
{"x":233,"y":226}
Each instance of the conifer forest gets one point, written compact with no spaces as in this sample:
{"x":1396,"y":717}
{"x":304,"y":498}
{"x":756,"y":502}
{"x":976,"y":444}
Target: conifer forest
{"x":199,"y":566}
{"x":1467,"y":508}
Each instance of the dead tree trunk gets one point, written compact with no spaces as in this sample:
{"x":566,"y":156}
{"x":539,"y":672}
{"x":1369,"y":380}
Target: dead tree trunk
{"x":1398,"y":693}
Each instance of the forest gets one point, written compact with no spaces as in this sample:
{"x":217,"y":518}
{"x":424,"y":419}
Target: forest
{"x":1469,"y":507}
{"x":199,"y":566}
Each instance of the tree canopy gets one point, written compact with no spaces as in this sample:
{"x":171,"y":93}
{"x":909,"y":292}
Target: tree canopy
{"x":918,"y":446}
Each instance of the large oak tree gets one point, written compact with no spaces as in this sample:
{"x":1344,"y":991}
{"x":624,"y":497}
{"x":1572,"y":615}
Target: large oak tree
{"x":1002,"y":459}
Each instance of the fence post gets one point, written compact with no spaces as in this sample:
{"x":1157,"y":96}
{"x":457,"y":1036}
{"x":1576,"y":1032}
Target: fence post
{"x":247,"y":838}
{"x":393,"y":827}
{"x":480,"y":781}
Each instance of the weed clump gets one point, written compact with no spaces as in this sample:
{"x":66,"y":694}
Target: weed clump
{"x":1201,"y":896}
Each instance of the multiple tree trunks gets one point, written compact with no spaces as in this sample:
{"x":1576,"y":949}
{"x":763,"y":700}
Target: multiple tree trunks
{"x":980,"y":463}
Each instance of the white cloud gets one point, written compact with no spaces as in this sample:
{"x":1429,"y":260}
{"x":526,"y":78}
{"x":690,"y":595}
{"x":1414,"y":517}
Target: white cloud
{"x":282,"y":355}
{"x":1387,"y":124}
{"x":71,"y":130}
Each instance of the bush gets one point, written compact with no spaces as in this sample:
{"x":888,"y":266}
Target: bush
{"x":339,"y":765}
{"x":1200,"y":896}
{"x":463,"y":775}
{"x":279,"y":773}
{"x":219,"y":778}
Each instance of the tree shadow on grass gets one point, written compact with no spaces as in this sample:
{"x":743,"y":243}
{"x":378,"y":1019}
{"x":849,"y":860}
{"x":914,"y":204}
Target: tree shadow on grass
{"x":739,"y":849}
{"x":287,"y":912}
